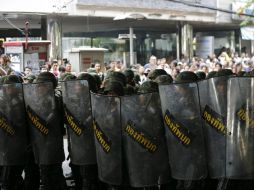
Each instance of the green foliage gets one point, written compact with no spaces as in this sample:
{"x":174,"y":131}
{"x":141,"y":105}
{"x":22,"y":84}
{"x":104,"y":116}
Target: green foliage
{"x":247,"y":20}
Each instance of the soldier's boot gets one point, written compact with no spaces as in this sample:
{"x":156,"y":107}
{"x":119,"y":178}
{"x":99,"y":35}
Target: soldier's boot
{"x":152,"y":188}
{"x":180,"y":185}
{"x":246,"y":184}
{"x":76,"y":175}
{"x":89,"y":185}
{"x":32,"y":177}
{"x":90,"y":177}
{"x":4,"y":178}
{"x":143,"y":188}
{"x":194,"y":184}
{"x":86,"y":185}
{"x":3,"y":187}
{"x":11,"y":178}
{"x":101,"y":185}
{"x":114,"y":187}
{"x":52,"y":177}
{"x":170,"y":185}
{"x":240,"y":184}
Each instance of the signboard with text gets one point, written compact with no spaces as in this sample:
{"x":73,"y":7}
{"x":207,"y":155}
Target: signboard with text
{"x":204,"y":46}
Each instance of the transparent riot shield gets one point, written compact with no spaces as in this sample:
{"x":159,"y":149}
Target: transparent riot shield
{"x":184,"y":133}
{"x":46,"y":132}
{"x":13,"y":126}
{"x":78,"y":119}
{"x":144,"y":140}
{"x":213,"y":101}
{"x":240,"y":129}
{"x":108,"y":137}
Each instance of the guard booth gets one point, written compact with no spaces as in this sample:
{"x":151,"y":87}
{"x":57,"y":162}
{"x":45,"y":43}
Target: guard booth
{"x":32,"y":53}
{"x":82,"y":57}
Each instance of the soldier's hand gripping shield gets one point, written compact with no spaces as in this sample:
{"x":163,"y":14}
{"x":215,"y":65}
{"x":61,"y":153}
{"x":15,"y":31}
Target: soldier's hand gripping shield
{"x":108,"y":137}
{"x":240,"y":129}
{"x":44,"y":123}
{"x":185,"y":140}
{"x":78,"y":118}
{"x":213,"y":101}
{"x":144,"y":140}
{"x":13,"y":126}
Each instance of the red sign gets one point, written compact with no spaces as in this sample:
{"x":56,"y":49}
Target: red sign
{"x":37,"y":49}
{"x":87,"y":60}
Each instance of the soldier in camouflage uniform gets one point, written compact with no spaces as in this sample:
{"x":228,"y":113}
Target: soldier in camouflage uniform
{"x":13,"y":134}
{"x":182,"y":119}
{"x":47,"y":140}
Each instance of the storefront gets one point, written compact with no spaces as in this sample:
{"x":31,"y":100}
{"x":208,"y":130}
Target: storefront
{"x":165,"y":29}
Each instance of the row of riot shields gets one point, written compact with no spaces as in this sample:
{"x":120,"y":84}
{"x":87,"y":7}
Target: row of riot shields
{"x":129,"y":139}
{"x":28,"y":116}
{"x":126,"y":135}
{"x":210,"y":128}
{"x":127,"y":132}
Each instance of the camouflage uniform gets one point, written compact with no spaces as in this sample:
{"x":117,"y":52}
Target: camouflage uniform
{"x":48,"y":149}
{"x":13,"y":161}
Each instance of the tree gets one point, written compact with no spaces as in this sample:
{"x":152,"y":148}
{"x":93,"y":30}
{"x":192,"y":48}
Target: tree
{"x":248,"y":9}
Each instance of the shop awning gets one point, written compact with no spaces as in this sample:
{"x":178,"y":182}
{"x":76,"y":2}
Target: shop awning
{"x":247,"y":32}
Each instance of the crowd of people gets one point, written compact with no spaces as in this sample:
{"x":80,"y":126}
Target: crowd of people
{"x":240,"y":65}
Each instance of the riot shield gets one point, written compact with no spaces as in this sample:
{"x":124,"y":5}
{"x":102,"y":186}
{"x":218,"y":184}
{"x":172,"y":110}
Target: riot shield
{"x":46,"y":132}
{"x":78,"y":118}
{"x":184,"y":133}
{"x":107,"y":134}
{"x":144,"y":142}
{"x":13,"y":126}
{"x":213,"y":101}
{"x":240,"y":129}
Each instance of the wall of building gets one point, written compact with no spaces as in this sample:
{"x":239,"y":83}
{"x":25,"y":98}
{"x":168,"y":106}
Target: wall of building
{"x":86,"y":17}
{"x":30,"y":6}
{"x":147,"y":4}
{"x":150,"y":9}
{"x":224,"y":17}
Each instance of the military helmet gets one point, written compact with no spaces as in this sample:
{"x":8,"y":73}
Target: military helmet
{"x":10,"y":79}
{"x":148,"y":86}
{"x":90,"y":79}
{"x":164,"y":79}
{"x":68,"y":76}
{"x":97,"y":79}
{"x":155,"y":73}
{"x":201,"y":75}
{"x":224,"y":72}
{"x":129,"y":73}
{"x":113,"y":86}
{"x":30,"y":78}
{"x":47,"y":77}
{"x":211,"y":74}
{"x":186,"y":76}
{"x":137,"y":78}
{"x":129,"y":90}
{"x":118,"y":76}
{"x":108,"y":74}
{"x":249,"y":74}
{"x":241,"y":73}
